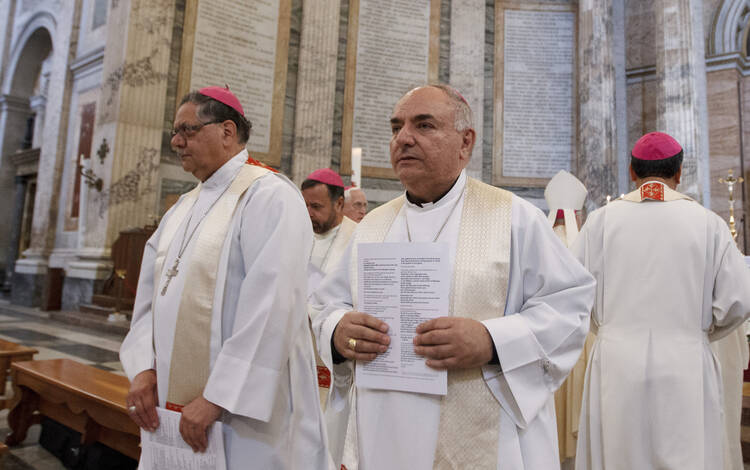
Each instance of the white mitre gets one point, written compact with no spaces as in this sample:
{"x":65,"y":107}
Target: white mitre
{"x":565,"y":193}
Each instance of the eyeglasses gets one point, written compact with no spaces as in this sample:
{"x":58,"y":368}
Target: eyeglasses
{"x":187,"y":131}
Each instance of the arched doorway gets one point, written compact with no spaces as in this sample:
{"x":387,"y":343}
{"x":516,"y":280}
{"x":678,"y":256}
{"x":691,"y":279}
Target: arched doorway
{"x":22,"y":110}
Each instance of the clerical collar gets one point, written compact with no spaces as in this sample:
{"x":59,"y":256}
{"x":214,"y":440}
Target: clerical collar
{"x":226,"y":172}
{"x":449,"y":195}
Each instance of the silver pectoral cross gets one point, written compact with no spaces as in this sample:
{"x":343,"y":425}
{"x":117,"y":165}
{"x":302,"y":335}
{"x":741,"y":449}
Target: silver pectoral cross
{"x":171,"y":272}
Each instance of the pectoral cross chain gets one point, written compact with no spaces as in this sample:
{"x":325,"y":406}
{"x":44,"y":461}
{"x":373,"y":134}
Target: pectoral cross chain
{"x":171,"y":272}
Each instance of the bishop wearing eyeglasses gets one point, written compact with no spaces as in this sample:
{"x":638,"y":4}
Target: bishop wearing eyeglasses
{"x":219,"y":329}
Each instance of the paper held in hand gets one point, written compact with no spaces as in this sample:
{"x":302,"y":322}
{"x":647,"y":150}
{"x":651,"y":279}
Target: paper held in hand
{"x":403,"y":284}
{"x":165,"y":448}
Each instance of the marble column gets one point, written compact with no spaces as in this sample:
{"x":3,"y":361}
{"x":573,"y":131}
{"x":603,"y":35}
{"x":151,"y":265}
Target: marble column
{"x":681,"y":99}
{"x":316,"y":87}
{"x":127,"y":137}
{"x":7,"y":13}
{"x":467,"y":67}
{"x":14,"y":112}
{"x":15,"y":230}
{"x":597,"y":139}
{"x":52,"y":151}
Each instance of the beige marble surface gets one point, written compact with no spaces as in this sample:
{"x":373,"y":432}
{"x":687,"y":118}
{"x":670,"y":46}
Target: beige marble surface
{"x":316,"y":87}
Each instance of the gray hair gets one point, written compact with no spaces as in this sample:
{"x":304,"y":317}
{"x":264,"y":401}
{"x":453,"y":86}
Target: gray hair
{"x":348,"y":192}
{"x":464,"y":117}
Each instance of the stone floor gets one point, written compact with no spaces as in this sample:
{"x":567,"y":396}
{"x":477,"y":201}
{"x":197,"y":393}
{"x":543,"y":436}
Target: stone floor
{"x":53,"y":340}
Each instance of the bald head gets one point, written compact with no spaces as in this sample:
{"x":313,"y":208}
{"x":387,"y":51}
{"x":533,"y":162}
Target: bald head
{"x":464,"y":119}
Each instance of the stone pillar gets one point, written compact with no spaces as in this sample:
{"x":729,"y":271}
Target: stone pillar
{"x":8,"y":12}
{"x":52,"y":152}
{"x":621,"y":99}
{"x":316,"y":87}
{"x":467,"y":67}
{"x":130,"y":117}
{"x":15,"y":230}
{"x":597,"y":141}
{"x":681,"y":100}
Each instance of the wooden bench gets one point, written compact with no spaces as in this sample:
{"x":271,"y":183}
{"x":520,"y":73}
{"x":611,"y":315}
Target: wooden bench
{"x":9,"y":353}
{"x":84,"y":398}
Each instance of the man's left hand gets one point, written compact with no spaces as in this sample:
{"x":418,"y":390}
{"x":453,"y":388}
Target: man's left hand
{"x":197,"y":416}
{"x":453,"y":343}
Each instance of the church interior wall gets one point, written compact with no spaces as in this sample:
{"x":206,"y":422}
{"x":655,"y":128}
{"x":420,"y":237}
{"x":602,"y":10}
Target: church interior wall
{"x":290,"y":97}
{"x":742,"y":193}
{"x":639,"y":34}
{"x":93,"y":32}
{"x":133,"y":76}
{"x":30,"y":46}
{"x":723,"y":93}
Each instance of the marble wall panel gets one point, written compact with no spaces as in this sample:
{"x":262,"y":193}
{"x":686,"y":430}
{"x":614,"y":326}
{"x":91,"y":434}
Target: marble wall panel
{"x":27,"y":289}
{"x":290,"y":100}
{"x":724,"y":139}
{"x":467,"y":67}
{"x":316,"y":87}
{"x":52,"y":153}
{"x":744,"y":189}
{"x":597,"y":144}
{"x":488,"y":138}
{"x":77,"y":291}
{"x":338,"y":110}
{"x":650,"y":111}
{"x":639,"y":33}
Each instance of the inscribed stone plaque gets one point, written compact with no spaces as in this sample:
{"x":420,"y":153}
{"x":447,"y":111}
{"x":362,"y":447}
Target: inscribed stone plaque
{"x":396,"y":49}
{"x":536,"y":137}
{"x":243,"y":45}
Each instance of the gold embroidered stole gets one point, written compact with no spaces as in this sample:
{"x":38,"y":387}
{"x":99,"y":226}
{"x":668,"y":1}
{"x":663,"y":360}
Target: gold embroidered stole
{"x":656,"y":191}
{"x":469,"y":427}
{"x":189,"y":366}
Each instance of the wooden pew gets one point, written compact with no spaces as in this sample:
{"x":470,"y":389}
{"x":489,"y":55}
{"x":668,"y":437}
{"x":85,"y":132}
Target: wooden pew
{"x":84,"y":398}
{"x":9,"y":353}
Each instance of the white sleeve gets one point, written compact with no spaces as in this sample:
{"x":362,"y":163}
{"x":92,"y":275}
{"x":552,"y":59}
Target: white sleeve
{"x":275,"y":240}
{"x":329,"y":302}
{"x":540,"y":337}
{"x":731,"y":286}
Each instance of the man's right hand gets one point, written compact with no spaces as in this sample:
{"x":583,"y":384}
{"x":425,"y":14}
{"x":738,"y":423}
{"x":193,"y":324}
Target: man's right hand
{"x":368,"y":333}
{"x":143,"y":396}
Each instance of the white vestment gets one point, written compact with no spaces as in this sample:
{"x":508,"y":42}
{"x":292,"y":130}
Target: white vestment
{"x":732,"y":353}
{"x":328,"y":248}
{"x":262,"y":369}
{"x":669,"y":280}
{"x":321,"y":245}
{"x":538,"y":339}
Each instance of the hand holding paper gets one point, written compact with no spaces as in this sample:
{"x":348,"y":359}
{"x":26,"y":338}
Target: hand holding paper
{"x":197,"y":416}
{"x":402,"y":284}
{"x":367,"y":332}
{"x":453,"y":343}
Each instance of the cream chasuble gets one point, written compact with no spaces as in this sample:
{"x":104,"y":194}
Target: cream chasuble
{"x":261,"y":366}
{"x":732,"y":353}
{"x":479,"y":423}
{"x":669,"y":281}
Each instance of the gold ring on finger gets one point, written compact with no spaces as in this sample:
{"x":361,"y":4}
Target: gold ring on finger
{"x":353,"y":343}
